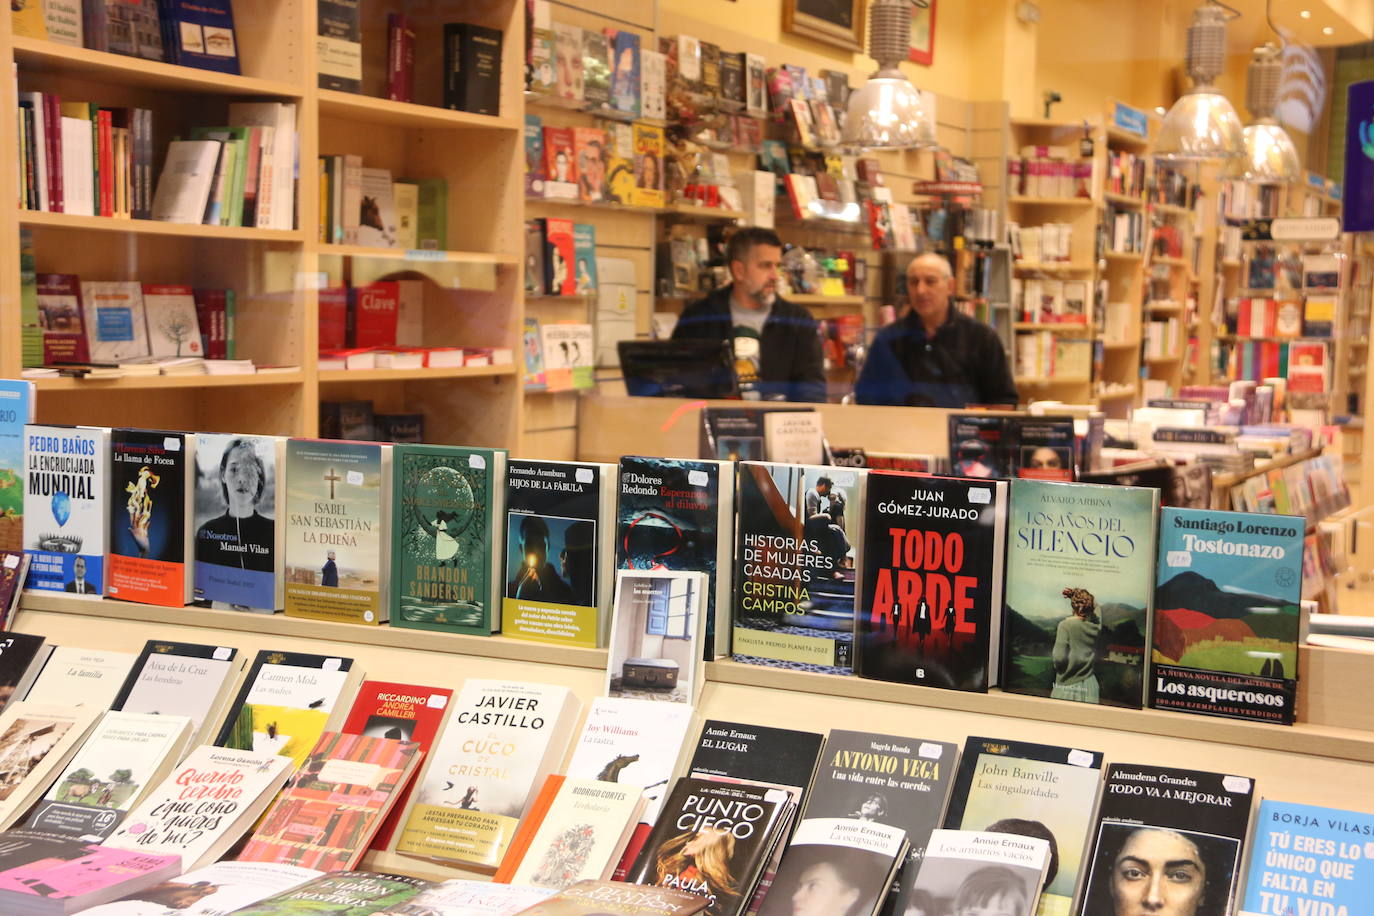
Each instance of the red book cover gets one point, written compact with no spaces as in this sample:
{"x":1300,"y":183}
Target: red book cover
{"x":372,"y":314}
{"x":212,"y":308}
{"x":52,"y":132}
{"x":388,"y":710}
{"x":333,"y":318}
{"x":105,"y":152}
{"x":400,"y":58}
{"x":560,"y":278}
{"x":589,"y":147}
{"x":59,"y":314}
{"x":560,"y":162}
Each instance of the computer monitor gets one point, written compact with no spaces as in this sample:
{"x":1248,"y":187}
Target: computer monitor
{"x":678,"y":368}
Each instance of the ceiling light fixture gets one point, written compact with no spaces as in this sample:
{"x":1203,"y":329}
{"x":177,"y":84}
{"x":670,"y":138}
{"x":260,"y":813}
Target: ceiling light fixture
{"x":1270,"y":156}
{"x":1328,"y":30}
{"x":1306,"y":14}
{"x":1203,"y":124}
{"x":887,"y":112}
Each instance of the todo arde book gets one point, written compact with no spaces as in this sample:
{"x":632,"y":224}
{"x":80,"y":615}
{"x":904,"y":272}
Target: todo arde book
{"x":558,"y":551}
{"x":1308,"y":859}
{"x":340,"y":893}
{"x":1227,"y":614}
{"x":210,"y":891}
{"x":577,"y":829}
{"x":67,"y":469}
{"x":676,"y":513}
{"x":1079,"y":590}
{"x":42,"y":873}
{"x":36,"y":741}
{"x":800,"y":555}
{"x":148,"y":514}
{"x":183,"y":679}
{"x":612,"y":898}
{"x":286,"y":701}
{"x":74,"y":676}
{"x":338,"y":516}
{"x":124,"y":756}
{"x":239,"y":523}
{"x":460,"y":897}
{"x":861,"y":856}
{"x":206,"y":803}
{"x":1036,"y":790}
{"x":447,"y":515}
{"x":22,"y":656}
{"x":932,"y":582}
{"x":1185,"y":828}
{"x":968,"y":871}
{"x":656,"y":635}
{"x":502,"y":739}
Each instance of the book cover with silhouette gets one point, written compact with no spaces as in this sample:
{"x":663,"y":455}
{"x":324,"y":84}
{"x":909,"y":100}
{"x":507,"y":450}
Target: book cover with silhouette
{"x":1227,"y":614}
{"x":801,"y":537}
{"x":67,"y":470}
{"x":1187,"y":826}
{"x":932,"y":583}
{"x":239,"y":522}
{"x":1079,"y":591}
{"x":1307,"y":859}
{"x":150,"y":505}
{"x":558,"y":551}
{"x":286,"y":701}
{"x":447,"y":506}
{"x":338,"y":514}
{"x":678,"y":514}
{"x":1034,"y":790}
{"x":867,"y":854}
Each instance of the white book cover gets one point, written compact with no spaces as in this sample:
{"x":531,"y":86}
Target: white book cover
{"x":635,"y":742}
{"x":958,"y":860}
{"x":280,"y":177}
{"x":593,"y":817}
{"x":185,"y":182}
{"x":173,"y":329}
{"x":615,"y":307}
{"x":214,"y":890}
{"x":657,"y":630}
{"x":866,"y":853}
{"x":78,"y":179}
{"x":64,"y":507}
{"x":125,"y":755}
{"x":36,"y":741}
{"x":794,"y":437}
{"x":230,"y":787}
{"x":81,"y":677}
{"x":377,"y":210}
{"x":653,"y":70}
{"x":112,"y":311}
{"x":459,"y":897}
{"x":240,"y":527}
{"x":64,"y":23}
{"x":182,"y":679}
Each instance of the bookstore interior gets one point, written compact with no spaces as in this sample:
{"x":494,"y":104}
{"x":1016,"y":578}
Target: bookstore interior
{"x":949,"y":416}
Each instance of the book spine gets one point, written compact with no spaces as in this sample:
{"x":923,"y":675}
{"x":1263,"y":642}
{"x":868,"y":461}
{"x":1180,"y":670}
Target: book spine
{"x":52,"y":119}
{"x":395,"y":58}
{"x":95,"y":25}
{"x":106,"y":162}
{"x":230,"y":351}
{"x":453,"y":56}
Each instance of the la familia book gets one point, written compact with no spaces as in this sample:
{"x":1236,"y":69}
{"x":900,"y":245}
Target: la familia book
{"x":448,"y":513}
{"x":286,"y":701}
{"x":1309,"y":859}
{"x":932,"y":582}
{"x":1079,"y":590}
{"x":801,"y":536}
{"x":240,"y":526}
{"x":1227,"y":613}
{"x":74,"y":676}
{"x":148,"y":510}
{"x":67,"y":469}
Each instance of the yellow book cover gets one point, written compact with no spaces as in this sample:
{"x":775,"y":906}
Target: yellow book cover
{"x":649,"y":149}
{"x":27,"y":19}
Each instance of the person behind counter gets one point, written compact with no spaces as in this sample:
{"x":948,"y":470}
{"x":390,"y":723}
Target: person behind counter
{"x":776,"y":345}
{"x":935,"y":356}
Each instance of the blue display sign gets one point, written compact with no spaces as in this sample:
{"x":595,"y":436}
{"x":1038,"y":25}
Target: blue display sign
{"x":1131,"y":120}
{"x":1357,"y":211}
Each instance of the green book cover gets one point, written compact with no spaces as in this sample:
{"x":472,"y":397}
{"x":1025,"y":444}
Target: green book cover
{"x":340,"y":893}
{"x":447,"y":512}
{"x":1080,"y":587}
{"x":431,"y":212}
{"x":31,"y":329}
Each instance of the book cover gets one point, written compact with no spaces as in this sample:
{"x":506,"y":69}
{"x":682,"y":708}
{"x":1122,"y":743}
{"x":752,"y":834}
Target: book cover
{"x":340,"y":893}
{"x":845,"y":865}
{"x":1044,"y":448}
{"x":22,"y":656}
{"x":149,"y":503}
{"x":1307,"y":859}
{"x":653,"y":68}
{"x":932,"y":580}
{"x":239,"y":522}
{"x":560,"y":167}
{"x":67,"y":469}
{"x":1079,"y":589}
{"x":210,"y":891}
{"x":534,"y":156}
{"x":36,"y":741}
{"x":584,"y":257}
{"x":596,"y":70}
{"x":173,"y":329}
{"x":377,"y":210}
{"x":968,"y":872}
{"x":43,"y":873}
{"x":612,"y":898}
{"x":656,"y":635}
{"x":558,"y":581}
{"x":502,"y":739}
{"x":200,"y":34}
{"x":460,"y":897}
{"x":337,"y":519}
{"x":59,"y":316}
{"x":560,"y":251}
{"x":569,"y":350}
{"x":533,"y":345}
{"x":759,"y":753}
{"x":678,"y":514}
{"x":620,"y":162}
{"x":81,"y":677}
{"x":286,"y":701}
{"x":649,"y":151}
{"x":1182,"y":828}
{"x":625,"y":75}
{"x":338,"y":46}
{"x":374,"y":314}
{"x":981,"y":446}
{"x":447,"y":505}
{"x":326,"y":815}
{"x":576,"y":831}
{"x":183,"y":679}
{"x":589,"y":149}
{"x":474,"y":74}
{"x":801,"y":531}
{"x":112,"y":312}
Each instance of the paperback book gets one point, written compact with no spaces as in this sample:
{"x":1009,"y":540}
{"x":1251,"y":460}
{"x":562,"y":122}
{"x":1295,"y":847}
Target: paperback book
{"x":656,"y":635}
{"x":240,"y":526}
{"x":459,"y":897}
{"x":1307,"y":859}
{"x":287,"y":700}
{"x":757,"y":753}
{"x":968,"y":872}
{"x":22,"y":657}
{"x":81,"y":677}
{"x":17,"y":401}
{"x":181,"y":679}
{"x":36,"y":741}
{"x":866,"y":855}
{"x":347,"y":893}
{"x":148,"y":510}
{"x":576,"y":830}
{"x":67,"y":469}
{"x":612,"y":898}
{"x":214,"y":890}
{"x":42,"y":873}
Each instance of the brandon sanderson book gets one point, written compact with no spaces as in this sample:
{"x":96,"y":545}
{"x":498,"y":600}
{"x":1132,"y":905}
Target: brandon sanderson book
{"x":932,"y":585}
{"x":149,"y":498}
{"x":1079,"y":589}
{"x":1227,"y":612}
{"x":800,"y":541}
{"x":66,"y":473}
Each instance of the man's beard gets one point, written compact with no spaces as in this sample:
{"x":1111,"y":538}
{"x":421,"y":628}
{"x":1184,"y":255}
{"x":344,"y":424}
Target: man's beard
{"x":764,"y":296}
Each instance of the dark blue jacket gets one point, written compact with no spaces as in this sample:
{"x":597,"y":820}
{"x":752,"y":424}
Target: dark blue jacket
{"x":963,"y":363}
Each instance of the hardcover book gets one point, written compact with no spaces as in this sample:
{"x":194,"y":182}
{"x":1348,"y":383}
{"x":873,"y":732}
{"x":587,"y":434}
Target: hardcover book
{"x":1226,"y":628}
{"x":200,"y":34}
{"x":338,"y":46}
{"x":932,"y":581}
{"x":800,"y":547}
{"x":346,"y":893}
{"x":22,"y":656}
{"x":59,"y":313}
{"x":866,"y":854}
{"x":67,"y":469}
{"x":448,"y":506}
{"x":337,"y":523}
{"x":558,"y":551}
{"x":459,"y":897}
{"x":611,"y":898}
{"x":123,"y":28}
{"x":576,"y":830}
{"x":1186,"y":827}
{"x":758,"y":753}
{"x":36,"y":741}
{"x":150,"y":501}
{"x":1334,"y":843}
{"x":215,"y":889}
{"x":656,"y":635}
{"x":472,"y":67}
{"x":184,"y":679}
{"x":240,"y":525}
{"x":971,"y":871}
{"x":1079,"y":590}
{"x":43,"y":873}
{"x":81,"y":677}
{"x":502,"y":739}
{"x":173,"y":329}
{"x":286,"y":701}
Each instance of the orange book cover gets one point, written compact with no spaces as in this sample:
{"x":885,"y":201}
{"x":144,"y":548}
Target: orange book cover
{"x":524,"y":835}
{"x":148,"y":515}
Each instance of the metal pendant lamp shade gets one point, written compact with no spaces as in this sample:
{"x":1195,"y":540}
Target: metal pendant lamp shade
{"x":886,"y":112}
{"x":1270,"y":156}
{"x":1203,"y":125}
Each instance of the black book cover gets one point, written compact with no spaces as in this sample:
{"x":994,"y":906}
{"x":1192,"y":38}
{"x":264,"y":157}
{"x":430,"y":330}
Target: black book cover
{"x":732,"y":77}
{"x":981,"y":445}
{"x":732,"y":434}
{"x":472,"y":68}
{"x":1167,"y":833}
{"x":17,"y":653}
{"x":339,"y":44}
{"x":712,"y":839}
{"x":778,"y":756}
{"x":932,"y":584}
{"x":273,"y":657}
{"x":836,"y":866}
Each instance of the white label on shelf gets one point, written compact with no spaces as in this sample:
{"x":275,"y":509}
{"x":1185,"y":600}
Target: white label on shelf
{"x":331,"y":664}
{"x":1290,"y":229}
{"x":354,"y":478}
{"x":1177,"y":558}
{"x":171,"y":443}
{"x":930,"y":750}
{"x":477,"y":461}
{"x":584,"y":475}
{"x":436,"y":701}
{"x":424,"y":254}
{"x":1080,"y":758}
{"x":1235,"y":783}
{"x":980,"y":496}
{"x":698,"y":478}
{"x":223,"y":653}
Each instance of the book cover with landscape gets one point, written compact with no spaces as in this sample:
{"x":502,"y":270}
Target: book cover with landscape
{"x":239,"y":522}
{"x":36,"y":741}
{"x":148,"y":503}
{"x":67,"y":470}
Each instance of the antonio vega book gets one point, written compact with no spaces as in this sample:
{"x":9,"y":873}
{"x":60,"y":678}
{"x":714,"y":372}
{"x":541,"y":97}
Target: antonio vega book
{"x":932,"y":581}
{"x":800,"y":544}
{"x":1227,"y":612}
{"x":67,"y":469}
{"x":150,"y":504}
{"x":240,"y":527}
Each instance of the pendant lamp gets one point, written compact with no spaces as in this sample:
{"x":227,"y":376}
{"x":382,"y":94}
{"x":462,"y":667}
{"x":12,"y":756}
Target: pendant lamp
{"x":886,"y":112}
{"x":1203,"y":124}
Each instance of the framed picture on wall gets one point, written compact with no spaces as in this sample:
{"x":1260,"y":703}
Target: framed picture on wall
{"x":922,"y":33}
{"x":835,"y":22}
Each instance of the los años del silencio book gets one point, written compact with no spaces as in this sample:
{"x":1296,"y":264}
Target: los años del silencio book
{"x":66,"y":469}
{"x":1227,"y":612}
{"x":801,"y":533}
{"x":446,"y":568}
{"x":337,"y":511}
{"x":149,"y":506}
{"x":239,"y":523}
{"x":1079,"y":589}
{"x":932,"y":585}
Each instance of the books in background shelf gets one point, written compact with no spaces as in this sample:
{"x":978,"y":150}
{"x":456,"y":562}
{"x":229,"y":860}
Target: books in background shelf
{"x":569,"y":350}
{"x":400,"y":60}
{"x":240,"y":525}
{"x":67,"y":470}
{"x":653,"y":75}
{"x":472,"y":68}
{"x":656,"y":635}
{"x":932,"y":581}
{"x":584,"y":258}
{"x":993,"y":869}
{"x":123,"y":28}
{"x":16,"y":399}
{"x":41,"y":873}
{"x":560,"y":168}
{"x":1332,"y":843}
{"x":286,"y":701}
{"x":377,"y":210}
{"x":112,"y":312}
{"x":649,"y":151}
{"x":612,"y":898}
{"x":22,"y":656}
{"x":589,"y":149}
{"x":200,"y":34}
{"x":539,"y":60}
{"x":186,"y":183}
{"x":866,"y":854}
{"x":533,"y":347}
{"x":36,"y":741}
{"x":59,"y":314}
{"x":534,"y":156}
{"x":342,"y":892}
{"x":407,"y":199}
{"x":220,"y":888}
{"x":1079,"y":591}
{"x":373,"y":314}
{"x":596,"y":71}
{"x":338,"y":46}
{"x":80,"y":677}
{"x":184,"y":679}
{"x":150,"y":504}
{"x":560,"y":278}
{"x":29,"y":21}
{"x":625,"y":71}
{"x":576,"y":830}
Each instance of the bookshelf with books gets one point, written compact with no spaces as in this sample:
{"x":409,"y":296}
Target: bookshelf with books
{"x":1170,"y":340}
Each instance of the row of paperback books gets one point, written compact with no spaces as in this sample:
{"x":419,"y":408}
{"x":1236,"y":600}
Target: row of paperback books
{"x":199,"y":34}
{"x":360,"y":205}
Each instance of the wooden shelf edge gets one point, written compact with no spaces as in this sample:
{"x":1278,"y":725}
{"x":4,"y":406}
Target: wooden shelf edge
{"x":385,"y":111}
{"x":420,"y":255}
{"x":169,"y":381}
{"x":157,"y":227}
{"x":331,"y":376}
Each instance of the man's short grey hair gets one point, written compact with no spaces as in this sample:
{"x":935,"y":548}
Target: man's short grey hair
{"x":938,"y":260}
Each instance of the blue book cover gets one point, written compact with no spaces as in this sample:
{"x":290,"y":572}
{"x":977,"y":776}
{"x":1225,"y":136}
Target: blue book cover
{"x":1227,"y":612}
{"x":1310,"y":861}
{"x":238,"y":522}
{"x":625,"y":72}
{"x":16,"y":409}
{"x":584,"y":257}
{"x":200,"y":33}
{"x":66,"y":469}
